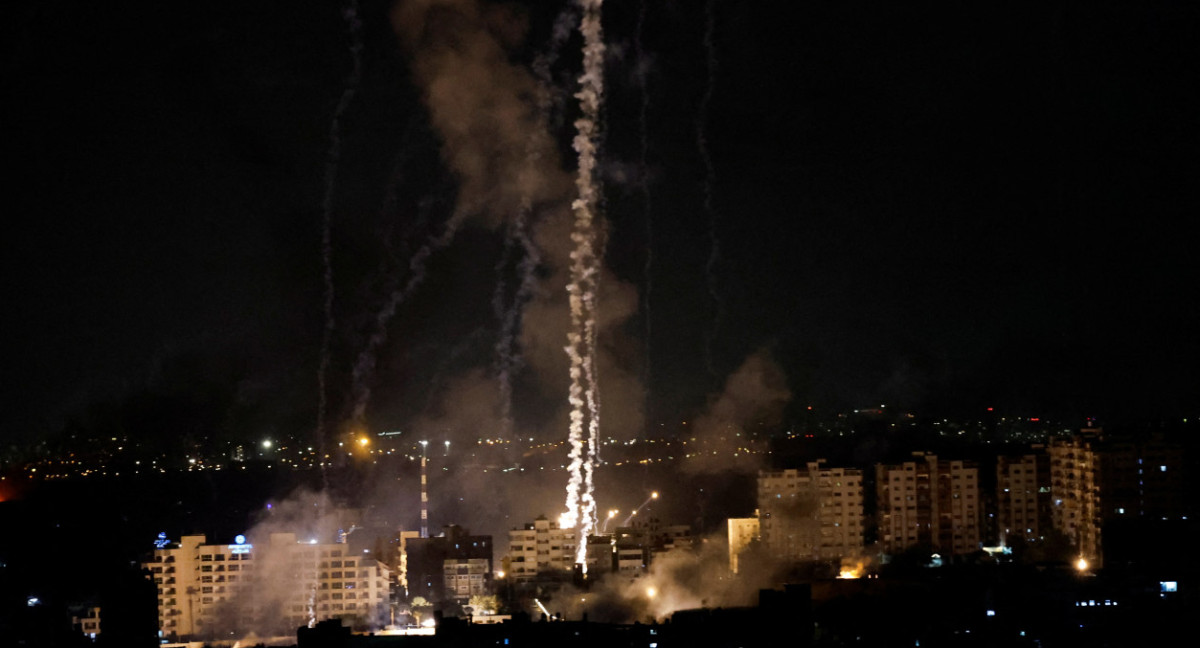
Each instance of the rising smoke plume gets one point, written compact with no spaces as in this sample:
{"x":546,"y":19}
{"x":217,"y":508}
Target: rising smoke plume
{"x":682,"y":579}
{"x":754,"y":396}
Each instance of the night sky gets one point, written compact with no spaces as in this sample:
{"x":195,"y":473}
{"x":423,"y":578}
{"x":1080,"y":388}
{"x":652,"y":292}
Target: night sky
{"x":942,"y":209}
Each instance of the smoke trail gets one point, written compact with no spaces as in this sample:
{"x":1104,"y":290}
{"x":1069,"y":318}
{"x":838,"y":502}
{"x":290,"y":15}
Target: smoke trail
{"x":354,"y":24}
{"x":505,"y":359}
{"x":581,"y":291}
{"x":365,"y":364}
{"x":508,"y":361}
{"x":550,"y":97}
{"x":644,"y":185}
{"x":714,"y":254}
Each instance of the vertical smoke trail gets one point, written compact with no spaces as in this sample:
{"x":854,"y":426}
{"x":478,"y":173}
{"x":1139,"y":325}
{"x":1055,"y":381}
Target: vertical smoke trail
{"x":714,"y":254}
{"x":312,"y":606}
{"x":354,"y":24}
{"x":507,"y":360}
{"x":366,"y":358}
{"x":582,"y":288}
{"x":644,"y":186}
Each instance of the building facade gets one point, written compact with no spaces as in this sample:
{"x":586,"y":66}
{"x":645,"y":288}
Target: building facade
{"x":1023,"y":496}
{"x":540,"y":549}
{"x":1075,"y":494}
{"x":742,"y":531}
{"x":437,"y":568}
{"x":208,"y":591}
{"x":815,"y":514}
{"x":928,"y":503}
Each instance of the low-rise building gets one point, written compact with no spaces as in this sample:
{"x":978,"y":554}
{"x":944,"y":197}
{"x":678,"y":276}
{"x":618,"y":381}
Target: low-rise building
{"x":540,"y":549}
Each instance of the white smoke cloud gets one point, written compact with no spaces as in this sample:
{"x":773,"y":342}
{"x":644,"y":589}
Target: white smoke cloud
{"x":682,"y":579}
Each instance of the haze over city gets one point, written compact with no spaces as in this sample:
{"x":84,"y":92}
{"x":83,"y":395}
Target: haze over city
{"x":549,"y":259}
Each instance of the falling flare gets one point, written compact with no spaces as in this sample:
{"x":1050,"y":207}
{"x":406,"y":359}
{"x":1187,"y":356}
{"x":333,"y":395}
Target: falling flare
{"x":583,"y":395}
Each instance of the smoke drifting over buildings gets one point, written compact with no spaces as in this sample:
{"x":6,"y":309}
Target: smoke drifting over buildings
{"x":676,"y":580}
{"x":754,"y":396}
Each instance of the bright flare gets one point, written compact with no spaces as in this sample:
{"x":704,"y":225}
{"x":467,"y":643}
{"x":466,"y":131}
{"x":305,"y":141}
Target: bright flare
{"x":583,"y":395}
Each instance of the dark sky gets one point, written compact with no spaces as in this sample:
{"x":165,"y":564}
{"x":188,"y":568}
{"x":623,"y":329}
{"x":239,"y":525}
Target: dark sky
{"x":936,"y":208}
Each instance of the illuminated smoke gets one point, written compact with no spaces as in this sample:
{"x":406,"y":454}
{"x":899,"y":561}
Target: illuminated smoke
{"x":331,"y":170}
{"x":754,"y":396}
{"x":484,"y":109}
{"x":714,"y":250}
{"x":581,"y":291}
{"x":509,"y":315}
{"x":681,"y":579}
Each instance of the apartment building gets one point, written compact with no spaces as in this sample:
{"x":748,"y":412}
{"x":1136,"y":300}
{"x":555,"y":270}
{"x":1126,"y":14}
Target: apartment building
{"x":928,"y":502}
{"x":811,"y":514}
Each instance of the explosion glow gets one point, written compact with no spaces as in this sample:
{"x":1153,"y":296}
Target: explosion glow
{"x":585,"y":273}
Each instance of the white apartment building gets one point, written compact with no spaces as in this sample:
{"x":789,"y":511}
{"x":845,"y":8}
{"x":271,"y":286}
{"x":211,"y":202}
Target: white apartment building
{"x":811,"y":514}
{"x":929,"y":502}
{"x":210,"y":591}
{"x":541,"y":548}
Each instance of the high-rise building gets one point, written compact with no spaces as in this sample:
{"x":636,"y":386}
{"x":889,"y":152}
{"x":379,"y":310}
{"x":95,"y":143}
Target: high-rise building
{"x":1141,"y":476}
{"x":208,"y":591}
{"x":1075,"y":494}
{"x":1023,"y":496}
{"x":811,"y":514}
{"x":930,"y":503}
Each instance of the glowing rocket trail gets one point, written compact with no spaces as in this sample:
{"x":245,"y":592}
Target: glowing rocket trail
{"x":653,"y":496}
{"x":581,"y":291}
